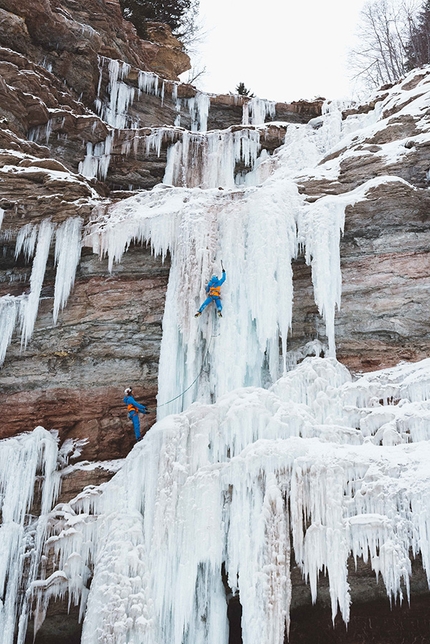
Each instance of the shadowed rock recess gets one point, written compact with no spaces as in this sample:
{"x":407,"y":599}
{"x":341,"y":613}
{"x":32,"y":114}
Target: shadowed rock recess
{"x":90,"y":115}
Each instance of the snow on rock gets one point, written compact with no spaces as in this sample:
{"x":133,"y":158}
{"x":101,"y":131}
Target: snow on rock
{"x":221,"y":487}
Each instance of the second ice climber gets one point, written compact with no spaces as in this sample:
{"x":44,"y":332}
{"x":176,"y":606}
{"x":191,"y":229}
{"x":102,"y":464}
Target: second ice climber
{"x":213,"y":289}
{"x":133,"y":408}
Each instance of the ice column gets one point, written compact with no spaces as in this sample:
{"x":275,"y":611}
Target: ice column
{"x":30,"y":305}
{"x":97,"y":159}
{"x":256,"y":110}
{"x":21,"y":536}
{"x":67,"y":255}
{"x":9,"y":308}
{"x":209,"y":160}
{"x":201,"y":228}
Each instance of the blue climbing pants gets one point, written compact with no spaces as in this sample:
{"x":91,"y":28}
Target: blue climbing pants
{"x":134,"y":417}
{"x":210,"y":299}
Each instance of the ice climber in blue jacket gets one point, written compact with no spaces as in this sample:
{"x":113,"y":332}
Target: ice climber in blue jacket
{"x":133,"y":408}
{"x":213,"y":289}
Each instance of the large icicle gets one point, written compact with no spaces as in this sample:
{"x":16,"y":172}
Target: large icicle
{"x":209,"y":160}
{"x":320,"y":228}
{"x":30,"y":305}
{"x":67,"y":256}
{"x":22,"y":537}
{"x":9,"y":309}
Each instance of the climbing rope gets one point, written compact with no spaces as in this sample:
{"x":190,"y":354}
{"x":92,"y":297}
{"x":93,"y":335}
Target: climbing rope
{"x":195,"y":379}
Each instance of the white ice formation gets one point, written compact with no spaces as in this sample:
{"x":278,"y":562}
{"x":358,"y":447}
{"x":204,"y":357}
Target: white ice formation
{"x":220,"y":221}
{"x":339,"y":464}
{"x":256,"y":110}
{"x":34,"y":242}
{"x":307,"y":465}
{"x":120,"y":96}
{"x":209,"y":160}
{"x":23,"y":460}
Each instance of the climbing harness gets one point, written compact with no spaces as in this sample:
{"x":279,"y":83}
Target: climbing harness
{"x":215,"y":291}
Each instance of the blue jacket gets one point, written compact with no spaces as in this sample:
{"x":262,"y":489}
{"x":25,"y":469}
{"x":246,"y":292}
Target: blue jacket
{"x":214,"y":281}
{"x":133,"y":405}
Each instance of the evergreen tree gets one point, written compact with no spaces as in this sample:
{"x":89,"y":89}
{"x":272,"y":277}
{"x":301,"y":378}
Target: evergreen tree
{"x":178,"y":14}
{"x":244,"y":91}
{"x":418,"y":47}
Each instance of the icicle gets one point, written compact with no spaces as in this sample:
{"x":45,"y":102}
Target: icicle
{"x":256,"y":110}
{"x":21,"y":536}
{"x":209,"y":160}
{"x":26,"y":241}
{"x":67,"y":256}
{"x":148,"y":83}
{"x":121,"y":95}
{"x":9,"y":307}
{"x":199,"y":110}
{"x":41,"y":132}
{"x":97,"y":159}
{"x":30,"y":305}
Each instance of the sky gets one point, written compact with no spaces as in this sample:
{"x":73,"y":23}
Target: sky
{"x":282,"y":50}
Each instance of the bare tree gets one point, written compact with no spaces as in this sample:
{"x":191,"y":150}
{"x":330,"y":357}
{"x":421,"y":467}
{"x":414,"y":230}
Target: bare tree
{"x":383,"y":34}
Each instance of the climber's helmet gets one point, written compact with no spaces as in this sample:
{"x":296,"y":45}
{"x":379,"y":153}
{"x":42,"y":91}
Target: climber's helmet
{"x":127,"y":391}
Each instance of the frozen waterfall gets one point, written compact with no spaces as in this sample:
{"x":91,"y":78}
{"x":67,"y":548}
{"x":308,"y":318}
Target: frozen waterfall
{"x":253,"y":464}
{"x":222,"y":487}
{"x":22,"y":534}
{"x":236,"y":225}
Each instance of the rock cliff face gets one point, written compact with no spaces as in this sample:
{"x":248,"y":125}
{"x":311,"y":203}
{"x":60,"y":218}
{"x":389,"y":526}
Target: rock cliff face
{"x":385,"y":257}
{"x":88,"y":112}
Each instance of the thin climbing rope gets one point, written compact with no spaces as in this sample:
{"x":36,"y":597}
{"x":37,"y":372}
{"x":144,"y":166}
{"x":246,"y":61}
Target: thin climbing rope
{"x":195,"y":379}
